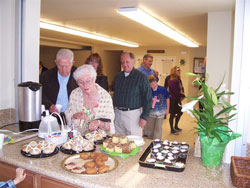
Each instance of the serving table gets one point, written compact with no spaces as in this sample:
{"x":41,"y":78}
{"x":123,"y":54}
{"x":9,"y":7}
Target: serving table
{"x":48,"y":172}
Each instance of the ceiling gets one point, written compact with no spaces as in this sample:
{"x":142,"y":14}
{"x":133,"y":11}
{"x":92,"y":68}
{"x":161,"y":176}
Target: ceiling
{"x":99,"y":16}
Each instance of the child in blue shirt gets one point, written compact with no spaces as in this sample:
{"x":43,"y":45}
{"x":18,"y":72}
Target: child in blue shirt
{"x":20,"y":176}
{"x":160,"y":108}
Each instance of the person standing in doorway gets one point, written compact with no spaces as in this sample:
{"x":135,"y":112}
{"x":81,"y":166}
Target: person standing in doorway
{"x":146,"y":66}
{"x":176,"y":91}
{"x":132,"y":98}
{"x":160,"y":108}
{"x":58,"y":82}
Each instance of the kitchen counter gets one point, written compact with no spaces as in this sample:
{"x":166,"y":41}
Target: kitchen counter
{"x":128,"y":173}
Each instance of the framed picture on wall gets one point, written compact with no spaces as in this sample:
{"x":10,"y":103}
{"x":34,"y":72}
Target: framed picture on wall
{"x":199,"y":66}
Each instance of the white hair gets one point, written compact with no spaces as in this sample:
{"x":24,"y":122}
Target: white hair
{"x":65,"y":54}
{"x":84,"y":70}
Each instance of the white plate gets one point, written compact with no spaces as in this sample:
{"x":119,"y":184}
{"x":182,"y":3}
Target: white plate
{"x":137,"y":139}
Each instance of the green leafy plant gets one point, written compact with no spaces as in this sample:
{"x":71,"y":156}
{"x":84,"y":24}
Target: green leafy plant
{"x":210,"y":123}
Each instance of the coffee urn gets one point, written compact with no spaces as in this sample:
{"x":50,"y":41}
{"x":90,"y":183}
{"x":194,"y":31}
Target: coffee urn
{"x":29,"y":105}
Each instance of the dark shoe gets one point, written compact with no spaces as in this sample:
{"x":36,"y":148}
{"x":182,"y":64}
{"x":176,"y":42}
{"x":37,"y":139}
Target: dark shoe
{"x":178,"y":129}
{"x":174,"y":132}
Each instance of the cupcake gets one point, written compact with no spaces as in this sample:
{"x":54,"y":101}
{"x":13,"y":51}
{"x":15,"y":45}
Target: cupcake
{"x":151,"y":160}
{"x":35,"y":151}
{"x":123,"y":139}
{"x":156,"y":141}
{"x":77,"y":148}
{"x":118,"y":148}
{"x":184,"y":143}
{"x":160,"y":158}
{"x":184,"y":147}
{"x":48,"y":150}
{"x":165,"y":143}
{"x":175,"y":143}
{"x":33,"y":144}
{"x":126,"y":148}
{"x":132,"y":145}
{"x":175,"y":148}
{"x":88,"y":147}
{"x":183,"y":150}
{"x":167,"y":162}
{"x":166,"y":147}
{"x":107,"y":142}
{"x":176,"y":152}
{"x":157,"y":146}
{"x":165,"y":151}
{"x":110,"y":147}
{"x":171,"y":158}
{"x":115,"y":138}
{"x":67,"y":145}
{"x":26,"y":148}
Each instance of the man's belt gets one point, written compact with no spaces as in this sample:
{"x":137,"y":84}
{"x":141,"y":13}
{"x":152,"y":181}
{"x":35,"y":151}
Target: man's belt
{"x":126,"y":109}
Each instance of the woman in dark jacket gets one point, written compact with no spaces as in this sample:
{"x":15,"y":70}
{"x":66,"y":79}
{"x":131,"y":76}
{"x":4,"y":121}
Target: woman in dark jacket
{"x":96,"y":61}
{"x":176,"y":91}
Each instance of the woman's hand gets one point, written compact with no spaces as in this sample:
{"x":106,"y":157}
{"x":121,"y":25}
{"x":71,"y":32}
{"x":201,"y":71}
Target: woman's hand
{"x":104,"y":126}
{"x":79,"y":115}
{"x":93,"y":125}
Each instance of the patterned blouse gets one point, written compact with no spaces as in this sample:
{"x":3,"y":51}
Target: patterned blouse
{"x":104,"y":109}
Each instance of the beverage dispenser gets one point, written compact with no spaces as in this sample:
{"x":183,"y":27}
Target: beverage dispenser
{"x":29,"y":105}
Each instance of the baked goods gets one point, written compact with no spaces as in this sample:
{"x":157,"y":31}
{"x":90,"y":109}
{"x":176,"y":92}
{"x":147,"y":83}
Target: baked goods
{"x":36,"y":148}
{"x":95,"y":136}
{"x":89,"y":163}
{"x":119,"y":144}
{"x":78,"y":145}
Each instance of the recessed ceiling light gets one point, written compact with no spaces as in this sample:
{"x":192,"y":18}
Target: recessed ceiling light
{"x":85,"y":34}
{"x":142,"y":17}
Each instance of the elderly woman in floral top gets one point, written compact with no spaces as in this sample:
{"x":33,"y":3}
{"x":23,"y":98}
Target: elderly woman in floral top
{"x":89,"y":102}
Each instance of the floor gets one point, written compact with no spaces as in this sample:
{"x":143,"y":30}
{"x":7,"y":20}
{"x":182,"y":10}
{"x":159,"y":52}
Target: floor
{"x":187,"y":134}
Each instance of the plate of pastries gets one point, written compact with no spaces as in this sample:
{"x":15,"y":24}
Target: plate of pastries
{"x":97,"y":136}
{"x":77,"y":145}
{"x":39,"y":149}
{"x":89,"y":163}
{"x":120,"y":145}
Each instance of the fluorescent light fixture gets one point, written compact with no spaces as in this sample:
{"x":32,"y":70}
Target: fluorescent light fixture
{"x":143,"y":18}
{"x":85,"y":34}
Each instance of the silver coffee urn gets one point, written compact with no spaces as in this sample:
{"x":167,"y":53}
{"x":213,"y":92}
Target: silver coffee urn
{"x":29,"y":105}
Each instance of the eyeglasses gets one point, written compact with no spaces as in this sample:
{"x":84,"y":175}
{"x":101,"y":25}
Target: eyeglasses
{"x":84,"y":83}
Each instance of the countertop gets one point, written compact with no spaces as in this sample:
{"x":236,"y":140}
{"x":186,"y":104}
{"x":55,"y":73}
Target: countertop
{"x":128,"y":173}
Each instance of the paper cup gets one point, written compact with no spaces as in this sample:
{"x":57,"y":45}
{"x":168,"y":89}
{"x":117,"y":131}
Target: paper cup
{"x":59,"y":107}
{"x":1,"y":140}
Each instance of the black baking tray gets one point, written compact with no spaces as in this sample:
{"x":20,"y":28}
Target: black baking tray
{"x":72,"y":152}
{"x":144,"y":163}
{"x":41,"y":155}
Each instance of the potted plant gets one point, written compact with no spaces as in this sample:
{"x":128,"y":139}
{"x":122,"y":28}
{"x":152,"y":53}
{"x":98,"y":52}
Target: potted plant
{"x":212,"y":120}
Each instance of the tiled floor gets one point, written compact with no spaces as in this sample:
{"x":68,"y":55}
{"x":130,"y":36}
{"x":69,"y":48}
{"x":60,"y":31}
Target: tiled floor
{"x":187,"y":134}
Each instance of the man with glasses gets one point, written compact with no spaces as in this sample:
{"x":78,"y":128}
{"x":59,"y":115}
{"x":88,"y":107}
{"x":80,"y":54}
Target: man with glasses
{"x":58,"y":82}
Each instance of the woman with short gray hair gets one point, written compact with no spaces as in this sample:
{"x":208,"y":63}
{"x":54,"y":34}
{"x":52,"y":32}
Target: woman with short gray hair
{"x":90,"y":104}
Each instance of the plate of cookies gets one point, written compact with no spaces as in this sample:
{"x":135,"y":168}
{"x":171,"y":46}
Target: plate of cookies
{"x":77,"y":145}
{"x":39,"y":149}
{"x":120,"y":145}
{"x":89,"y":163}
{"x":97,"y":136}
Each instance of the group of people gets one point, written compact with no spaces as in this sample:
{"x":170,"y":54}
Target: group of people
{"x":138,"y":104}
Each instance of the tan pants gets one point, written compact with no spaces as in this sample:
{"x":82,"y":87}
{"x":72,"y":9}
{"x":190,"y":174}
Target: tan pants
{"x":127,"y":122}
{"x":153,"y":128}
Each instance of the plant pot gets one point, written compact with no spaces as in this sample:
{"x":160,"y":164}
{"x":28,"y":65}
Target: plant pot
{"x":211,"y":151}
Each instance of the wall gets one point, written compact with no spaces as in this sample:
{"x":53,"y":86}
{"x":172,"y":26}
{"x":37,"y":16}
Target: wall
{"x":219,"y":52}
{"x":48,"y":56}
{"x":7,"y":53}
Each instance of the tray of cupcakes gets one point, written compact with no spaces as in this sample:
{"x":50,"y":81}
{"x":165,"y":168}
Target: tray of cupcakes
{"x":120,"y":145}
{"x":39,"y":149}
{"x":97,"y":136}
{"x":165,"y":155}
{"x":77,"y":145}
{"x":89,"y":163}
